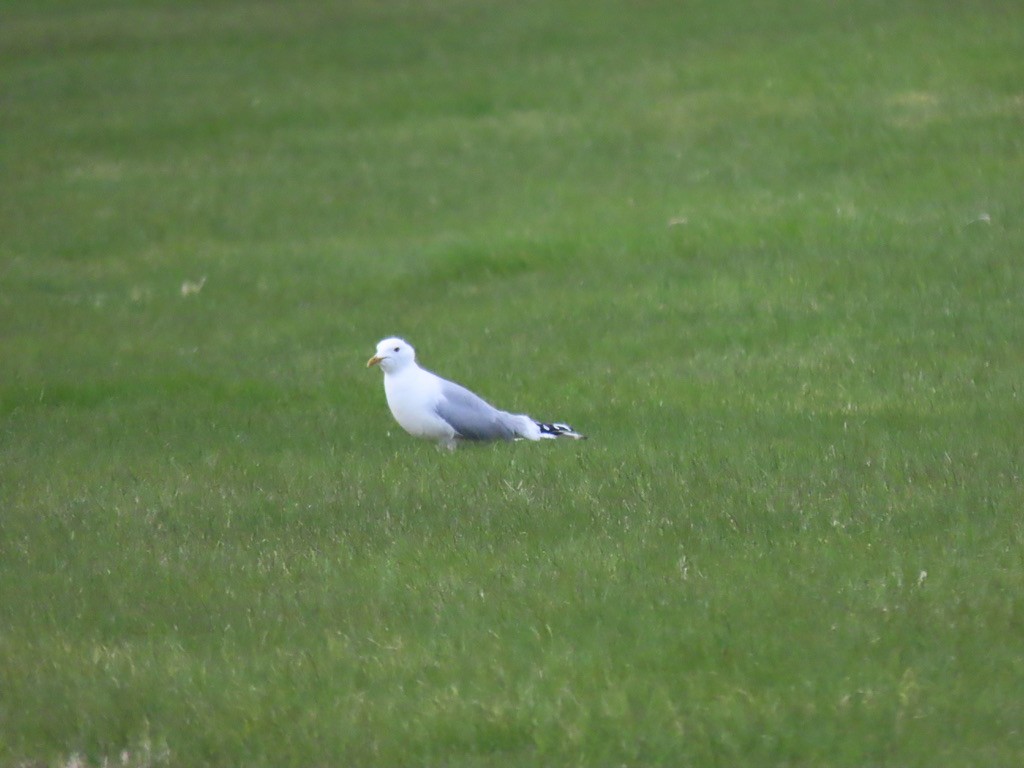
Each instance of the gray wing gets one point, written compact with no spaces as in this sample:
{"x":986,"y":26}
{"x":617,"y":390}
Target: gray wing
{"x":472,"y":417}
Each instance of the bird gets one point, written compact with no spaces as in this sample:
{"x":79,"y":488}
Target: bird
{"x":427,"y":406}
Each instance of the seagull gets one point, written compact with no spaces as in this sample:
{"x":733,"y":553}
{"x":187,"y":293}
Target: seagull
{"x":427,"y":406}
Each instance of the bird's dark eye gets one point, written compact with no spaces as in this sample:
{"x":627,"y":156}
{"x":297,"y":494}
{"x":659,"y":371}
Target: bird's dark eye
{"x":396,"y":349}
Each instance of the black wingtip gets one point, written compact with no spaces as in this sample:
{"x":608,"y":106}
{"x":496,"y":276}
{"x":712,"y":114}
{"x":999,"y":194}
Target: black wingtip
{"x":559,"y":430}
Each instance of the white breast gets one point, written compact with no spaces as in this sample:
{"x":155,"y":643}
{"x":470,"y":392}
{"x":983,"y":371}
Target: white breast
{"x":413,"y":395}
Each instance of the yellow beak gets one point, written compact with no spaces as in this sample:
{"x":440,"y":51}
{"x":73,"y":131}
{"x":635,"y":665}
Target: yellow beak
{"x":373,"y":361}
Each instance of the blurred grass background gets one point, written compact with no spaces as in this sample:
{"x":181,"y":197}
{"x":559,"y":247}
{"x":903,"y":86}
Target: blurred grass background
{"x":767,"y":257}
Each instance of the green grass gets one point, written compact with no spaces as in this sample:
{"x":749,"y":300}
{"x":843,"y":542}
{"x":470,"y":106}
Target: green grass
{"x":767,"y":255}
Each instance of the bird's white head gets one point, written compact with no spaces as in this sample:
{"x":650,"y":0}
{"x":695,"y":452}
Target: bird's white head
{"x":393,"y":355}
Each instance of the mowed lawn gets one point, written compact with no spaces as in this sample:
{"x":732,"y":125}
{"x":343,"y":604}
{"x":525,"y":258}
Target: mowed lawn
{"x":768,"y":256}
